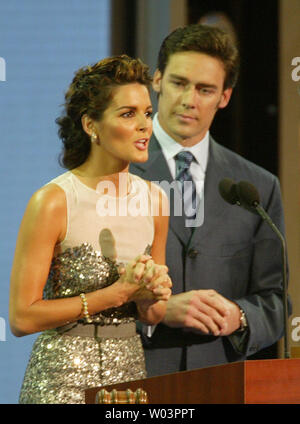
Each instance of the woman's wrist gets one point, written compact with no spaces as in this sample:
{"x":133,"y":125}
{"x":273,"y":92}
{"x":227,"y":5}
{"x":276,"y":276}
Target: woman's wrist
{"x":152,"y":313}
{"x":122,"y":292}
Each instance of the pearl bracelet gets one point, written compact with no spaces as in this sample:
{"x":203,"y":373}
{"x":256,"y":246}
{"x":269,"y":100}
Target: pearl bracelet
{"x":85,"y":310}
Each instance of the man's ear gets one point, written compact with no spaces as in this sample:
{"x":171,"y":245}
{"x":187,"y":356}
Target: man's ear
{"x":225,"y":98}
{"x":156,"y":84}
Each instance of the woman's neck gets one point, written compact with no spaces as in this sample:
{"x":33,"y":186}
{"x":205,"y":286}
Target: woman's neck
{"x":92,"y":176}
{"x":99,"y":167}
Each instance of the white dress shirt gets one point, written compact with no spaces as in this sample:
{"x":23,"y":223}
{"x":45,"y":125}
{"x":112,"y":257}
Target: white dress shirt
{"x":171,"y":148}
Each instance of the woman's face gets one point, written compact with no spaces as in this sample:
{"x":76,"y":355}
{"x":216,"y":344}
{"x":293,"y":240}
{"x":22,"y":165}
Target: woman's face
{"x":125,"y":128}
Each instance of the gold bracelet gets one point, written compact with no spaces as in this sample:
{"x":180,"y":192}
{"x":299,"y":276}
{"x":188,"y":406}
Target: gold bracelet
{"x":85,"y":310}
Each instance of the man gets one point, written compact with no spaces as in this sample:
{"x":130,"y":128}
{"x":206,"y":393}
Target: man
{"x":226,"y":271}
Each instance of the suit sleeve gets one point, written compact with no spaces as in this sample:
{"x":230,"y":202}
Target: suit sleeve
{"x":263,"y":303}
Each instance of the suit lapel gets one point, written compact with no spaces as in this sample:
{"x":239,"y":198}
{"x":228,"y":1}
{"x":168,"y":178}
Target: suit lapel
{"x":217,"y":169}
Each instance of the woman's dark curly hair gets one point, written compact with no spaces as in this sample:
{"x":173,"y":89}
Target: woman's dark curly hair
{"x":90,"y":93}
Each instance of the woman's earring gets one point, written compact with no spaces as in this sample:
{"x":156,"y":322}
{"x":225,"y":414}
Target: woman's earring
{"x":95,"y":139}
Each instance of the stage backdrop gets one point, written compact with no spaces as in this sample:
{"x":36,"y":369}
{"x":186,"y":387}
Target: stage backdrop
{"x":41,"y":45}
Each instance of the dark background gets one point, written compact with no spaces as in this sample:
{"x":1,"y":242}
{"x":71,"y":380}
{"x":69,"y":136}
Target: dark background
{"x":249,"y":124}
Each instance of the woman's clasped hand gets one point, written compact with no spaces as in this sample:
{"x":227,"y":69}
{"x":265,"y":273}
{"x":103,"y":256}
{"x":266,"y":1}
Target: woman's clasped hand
{"x":146,"y":279}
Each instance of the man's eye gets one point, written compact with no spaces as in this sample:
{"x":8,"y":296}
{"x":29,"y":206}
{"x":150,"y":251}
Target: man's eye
{"x":149,"y":114}
{"x":206,"y":90}
{"x":178,"y":83}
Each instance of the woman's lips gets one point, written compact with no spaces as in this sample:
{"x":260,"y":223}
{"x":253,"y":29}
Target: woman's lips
{"x":141,"y":144}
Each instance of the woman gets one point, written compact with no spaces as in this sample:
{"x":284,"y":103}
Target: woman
{"x":65,"y":279}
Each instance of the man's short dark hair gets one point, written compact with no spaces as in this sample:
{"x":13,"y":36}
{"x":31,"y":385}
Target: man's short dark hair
{"x":203,"y":39}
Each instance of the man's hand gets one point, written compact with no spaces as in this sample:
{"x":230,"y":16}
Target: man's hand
{"x":203,"y":310}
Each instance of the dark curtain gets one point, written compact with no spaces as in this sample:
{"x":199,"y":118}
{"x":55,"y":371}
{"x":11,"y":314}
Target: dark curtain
{"x":249,"y":124}
{"x":123,"y":24}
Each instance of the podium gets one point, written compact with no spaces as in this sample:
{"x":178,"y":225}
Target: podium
{"x":274,"y":381}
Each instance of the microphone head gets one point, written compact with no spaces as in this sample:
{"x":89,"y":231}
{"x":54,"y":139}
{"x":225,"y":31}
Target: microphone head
{"x":107,"y":244}
{"x":227,"y":189}
{"x":248,"y":194}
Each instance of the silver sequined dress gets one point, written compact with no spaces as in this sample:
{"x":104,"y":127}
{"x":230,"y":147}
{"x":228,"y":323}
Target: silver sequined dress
{"x":61,"y":366}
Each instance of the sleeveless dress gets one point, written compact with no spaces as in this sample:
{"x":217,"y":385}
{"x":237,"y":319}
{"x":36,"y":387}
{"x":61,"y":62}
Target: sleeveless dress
{"x":63,"y":363}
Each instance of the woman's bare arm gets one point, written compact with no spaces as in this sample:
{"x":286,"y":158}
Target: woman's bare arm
{"x":42,"y":227}
{"x":152,"y":312}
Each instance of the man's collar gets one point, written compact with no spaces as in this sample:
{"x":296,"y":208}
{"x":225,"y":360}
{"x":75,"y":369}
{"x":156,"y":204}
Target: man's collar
{"x":171,"y":148}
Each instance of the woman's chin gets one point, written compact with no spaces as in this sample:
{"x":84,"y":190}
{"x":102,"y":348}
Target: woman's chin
{"x":141,"y":158}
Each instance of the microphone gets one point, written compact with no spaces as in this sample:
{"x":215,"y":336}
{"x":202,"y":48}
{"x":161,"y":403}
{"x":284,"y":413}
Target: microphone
{"x":249,"y":199}
{"x":107,"y":244}
{"x":228,"y":191}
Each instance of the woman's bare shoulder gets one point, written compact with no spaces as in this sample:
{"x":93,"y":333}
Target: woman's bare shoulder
{"x":50,"y":198}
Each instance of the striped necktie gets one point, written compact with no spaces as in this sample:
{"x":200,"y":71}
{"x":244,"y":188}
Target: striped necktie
{"x":190,"y":198}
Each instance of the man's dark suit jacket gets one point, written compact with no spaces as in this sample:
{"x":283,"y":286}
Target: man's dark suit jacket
{"x":233,"y":252}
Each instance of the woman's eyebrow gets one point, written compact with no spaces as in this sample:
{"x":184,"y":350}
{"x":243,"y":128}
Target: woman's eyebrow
{"x":131,"y":107}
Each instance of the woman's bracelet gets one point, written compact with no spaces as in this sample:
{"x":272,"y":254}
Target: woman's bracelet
{"x":85,"y":310}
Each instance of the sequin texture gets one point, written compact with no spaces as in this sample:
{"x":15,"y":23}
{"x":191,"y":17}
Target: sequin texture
{"x":61,"y":366}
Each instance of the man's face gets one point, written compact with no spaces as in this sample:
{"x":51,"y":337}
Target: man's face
{"x":190,"y":93}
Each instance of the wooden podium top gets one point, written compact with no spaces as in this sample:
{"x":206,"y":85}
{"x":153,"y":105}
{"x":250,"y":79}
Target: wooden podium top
{"x":262,"y":381}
